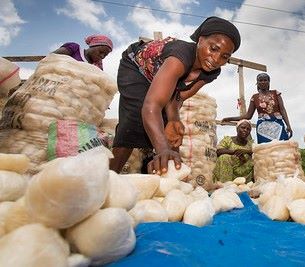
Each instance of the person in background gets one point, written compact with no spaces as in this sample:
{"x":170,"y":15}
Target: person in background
{"x":271,"y":112}
{"x":234,"y":155}
{"x":154,"y":78}
{"x":99,"y":47}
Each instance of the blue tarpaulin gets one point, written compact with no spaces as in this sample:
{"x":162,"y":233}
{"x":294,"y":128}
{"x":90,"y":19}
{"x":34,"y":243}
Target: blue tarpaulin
{"x":240,"y":237}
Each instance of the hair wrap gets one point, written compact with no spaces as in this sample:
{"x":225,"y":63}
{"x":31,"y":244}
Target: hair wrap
{"x":242,"y":121}
{"x":214,"y":25}
{"x":98,"y":39}
{"x":263,"y":75}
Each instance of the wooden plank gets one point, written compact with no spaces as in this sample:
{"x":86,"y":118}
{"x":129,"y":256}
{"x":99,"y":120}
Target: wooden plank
{"x":24,"y":58}
{"x":231,"y":123}
{"x":247,"y":64}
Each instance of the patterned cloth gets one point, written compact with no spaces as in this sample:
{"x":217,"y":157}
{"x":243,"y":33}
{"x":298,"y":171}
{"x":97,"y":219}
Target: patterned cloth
{"x":267,"y":104}
{"x":229,"y":167}
{"x":148,"y":58}
{"x":270,"y":124}
{"x":270,"y":128}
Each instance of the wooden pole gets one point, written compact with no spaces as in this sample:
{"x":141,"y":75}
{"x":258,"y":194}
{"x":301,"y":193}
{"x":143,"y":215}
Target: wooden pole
{"x":248,"y":64}
{"x":242,"y":101}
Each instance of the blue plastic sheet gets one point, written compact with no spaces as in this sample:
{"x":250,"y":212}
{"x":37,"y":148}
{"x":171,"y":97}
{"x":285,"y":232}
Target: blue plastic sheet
{"x":241,"y":237}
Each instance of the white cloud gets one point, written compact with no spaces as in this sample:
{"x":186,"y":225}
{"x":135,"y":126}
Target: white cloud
{"x":176,"y":6}
{"x":148,"y":23}
{"x":89,"y":13}
{"x":9,"y":22}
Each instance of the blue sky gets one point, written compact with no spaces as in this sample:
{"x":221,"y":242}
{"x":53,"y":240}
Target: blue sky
{"x":37,"y":27}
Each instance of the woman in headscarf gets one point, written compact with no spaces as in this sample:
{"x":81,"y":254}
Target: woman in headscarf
{"x":99,"y":47}
{"x":271,"y":112}
{"x":234,"y":155}
{"x":154,"y":78}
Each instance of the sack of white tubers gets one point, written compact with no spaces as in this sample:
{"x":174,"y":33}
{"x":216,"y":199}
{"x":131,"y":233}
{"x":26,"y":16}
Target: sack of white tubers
{"x":68,"y":190}
{"x":33,"y":245}
{"x":104,"y":237}
{"x":275,"y":159}
{"x":13,"y":182}
{"x":61,"y":88}
{"x":70,"y":193}
{"x":32,"y":144}
{"x":198,"y":150}
{"x":167,"y":198}
{"x":283,"y":198}
{"x":238,"y":185}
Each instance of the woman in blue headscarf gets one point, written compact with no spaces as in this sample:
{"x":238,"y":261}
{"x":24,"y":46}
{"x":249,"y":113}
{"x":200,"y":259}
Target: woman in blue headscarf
{"x":271,"y":112}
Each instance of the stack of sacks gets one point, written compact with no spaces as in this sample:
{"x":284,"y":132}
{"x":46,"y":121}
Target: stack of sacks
{"x":61,"y":88}
{"x":198,"y":149}
{"x":283,"y":198}
{"x":34,"y":245}
{"x":238,"y":185}
{"x":276,"y":158}
{"x":97,"y":210}
{"x":169,"y":199}
{"x":78,"y":194}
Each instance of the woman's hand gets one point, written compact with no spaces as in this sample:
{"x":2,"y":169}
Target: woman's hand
{"x":240,"y":153}
{"x":289,"y":131}
{"x":174,"y":131}
{"x":159,"y":164}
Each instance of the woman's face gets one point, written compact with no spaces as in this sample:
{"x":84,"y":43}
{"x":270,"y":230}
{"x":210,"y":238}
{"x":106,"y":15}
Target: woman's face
{"x":213,"y":51}
{"x":243,"y":130}
{"x":97,"y":53}
{"x":263,"y":83}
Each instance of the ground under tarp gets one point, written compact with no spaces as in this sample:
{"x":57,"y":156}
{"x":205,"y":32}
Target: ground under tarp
{"x":243,"y":237}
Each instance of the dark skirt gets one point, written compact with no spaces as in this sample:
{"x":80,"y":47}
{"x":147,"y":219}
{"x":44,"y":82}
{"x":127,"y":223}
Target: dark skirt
{"x":133,"y":87}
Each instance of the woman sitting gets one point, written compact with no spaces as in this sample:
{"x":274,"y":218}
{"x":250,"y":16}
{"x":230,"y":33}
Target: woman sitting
{"x":234,"y":155}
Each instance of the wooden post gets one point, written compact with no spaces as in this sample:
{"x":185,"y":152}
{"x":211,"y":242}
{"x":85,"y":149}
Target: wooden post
{"x":242,"y":101}
{"x":157,"y":35}
{"x":248,"y":64}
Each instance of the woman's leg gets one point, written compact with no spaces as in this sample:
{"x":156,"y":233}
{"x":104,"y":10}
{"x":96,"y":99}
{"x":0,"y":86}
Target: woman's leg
{"x":121,"y":155}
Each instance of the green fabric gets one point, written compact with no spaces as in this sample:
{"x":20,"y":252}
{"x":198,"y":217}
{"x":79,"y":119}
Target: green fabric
{"x":228,"y":167}
{"x":52,"y":137}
